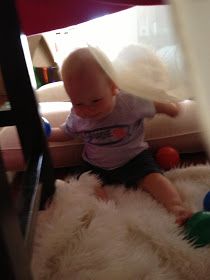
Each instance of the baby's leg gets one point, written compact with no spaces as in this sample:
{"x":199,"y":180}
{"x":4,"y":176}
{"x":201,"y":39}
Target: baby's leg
{"x":100,"y":193}
{"x":163,"y":191}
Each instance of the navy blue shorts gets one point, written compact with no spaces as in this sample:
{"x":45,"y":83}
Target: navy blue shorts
{"x":129,"y":174}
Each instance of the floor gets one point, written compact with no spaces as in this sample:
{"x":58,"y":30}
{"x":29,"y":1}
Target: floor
{"x":194,"y":158}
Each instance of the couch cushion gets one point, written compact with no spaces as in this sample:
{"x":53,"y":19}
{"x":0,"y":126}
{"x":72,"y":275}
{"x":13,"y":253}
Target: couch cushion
{"x":182,"y":132}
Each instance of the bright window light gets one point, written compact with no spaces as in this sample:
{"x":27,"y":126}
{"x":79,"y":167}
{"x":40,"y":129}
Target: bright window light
{"x":28,"y":60}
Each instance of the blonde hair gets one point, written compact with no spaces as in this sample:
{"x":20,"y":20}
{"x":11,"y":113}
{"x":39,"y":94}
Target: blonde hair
{"x":79,"y":62}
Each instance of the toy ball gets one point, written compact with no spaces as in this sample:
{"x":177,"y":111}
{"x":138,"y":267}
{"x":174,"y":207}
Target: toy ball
{"x":206,"y":202}
{"x":46,"y":126}
{"x":197,"y":229}
{"x":167,"y":157}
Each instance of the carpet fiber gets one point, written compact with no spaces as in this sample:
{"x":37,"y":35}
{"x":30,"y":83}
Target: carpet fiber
{"x":130,"y":237}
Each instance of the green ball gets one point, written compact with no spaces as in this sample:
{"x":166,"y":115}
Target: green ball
{"x":197,"y":228}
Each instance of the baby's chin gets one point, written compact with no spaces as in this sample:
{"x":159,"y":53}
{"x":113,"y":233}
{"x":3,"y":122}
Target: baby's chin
{"x":98,"y":116}
{"x":102,"y":115}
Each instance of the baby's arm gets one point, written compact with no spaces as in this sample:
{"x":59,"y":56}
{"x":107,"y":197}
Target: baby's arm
{"x":58,"y":135}
{"x":170,"y":109}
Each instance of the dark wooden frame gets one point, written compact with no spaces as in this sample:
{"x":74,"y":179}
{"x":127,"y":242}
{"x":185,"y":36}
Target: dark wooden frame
{"x":17,"y":227}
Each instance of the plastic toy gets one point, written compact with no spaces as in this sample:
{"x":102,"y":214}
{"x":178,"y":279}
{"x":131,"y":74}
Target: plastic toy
{"x":46,"y":126}
{"x":167,"y":157}
{"x":197,"y":229}
{"x":198,"y":226}
{"x":206,"y":202}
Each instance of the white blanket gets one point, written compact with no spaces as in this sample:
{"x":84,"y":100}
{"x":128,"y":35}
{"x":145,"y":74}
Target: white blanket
{"x":131,"y":237}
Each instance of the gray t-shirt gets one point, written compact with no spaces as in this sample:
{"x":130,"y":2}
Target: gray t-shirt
{"x":112,"y":141}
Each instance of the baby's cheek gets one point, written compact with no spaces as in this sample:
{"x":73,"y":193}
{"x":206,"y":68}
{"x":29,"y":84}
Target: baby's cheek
{"x":78,"y":112}
{"x":98,"y":107}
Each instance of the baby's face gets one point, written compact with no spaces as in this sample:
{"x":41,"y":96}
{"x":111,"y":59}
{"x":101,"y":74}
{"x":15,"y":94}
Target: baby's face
{"x":92,"y":96}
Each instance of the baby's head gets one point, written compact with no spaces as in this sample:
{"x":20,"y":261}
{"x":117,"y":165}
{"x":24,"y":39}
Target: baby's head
{"x":91,"y":91}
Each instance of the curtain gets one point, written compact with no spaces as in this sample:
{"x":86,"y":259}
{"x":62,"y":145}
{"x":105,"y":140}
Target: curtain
{"x":44,"y":15}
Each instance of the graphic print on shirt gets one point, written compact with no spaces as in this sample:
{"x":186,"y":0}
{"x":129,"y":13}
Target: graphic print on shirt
{"x":106,"y":135}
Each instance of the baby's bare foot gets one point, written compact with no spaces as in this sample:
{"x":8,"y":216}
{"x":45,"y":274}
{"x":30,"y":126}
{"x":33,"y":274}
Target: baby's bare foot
{"x":182,"y":214}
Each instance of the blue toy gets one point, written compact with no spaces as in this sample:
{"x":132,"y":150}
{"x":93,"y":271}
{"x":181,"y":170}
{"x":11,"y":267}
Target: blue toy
{"x":46,"y":126}
{"x":197,"y":228}
{"x":206,"y":202}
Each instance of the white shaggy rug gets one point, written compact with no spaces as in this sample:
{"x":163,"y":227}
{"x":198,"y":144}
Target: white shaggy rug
{"x":131,"y":237}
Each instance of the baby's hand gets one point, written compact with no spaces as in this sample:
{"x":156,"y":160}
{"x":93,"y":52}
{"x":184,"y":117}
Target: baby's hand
{"x":171,"y":109}
{"x":182,"y":214}
{"x":174,"y":109}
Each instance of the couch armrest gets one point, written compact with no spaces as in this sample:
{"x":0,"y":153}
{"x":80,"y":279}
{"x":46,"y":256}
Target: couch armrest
{"x":53,"y":92}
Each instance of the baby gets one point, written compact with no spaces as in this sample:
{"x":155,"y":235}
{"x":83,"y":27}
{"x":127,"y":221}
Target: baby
{"x":111,"y":123}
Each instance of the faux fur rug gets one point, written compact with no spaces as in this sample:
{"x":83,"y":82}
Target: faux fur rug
{"x":130,"y":237}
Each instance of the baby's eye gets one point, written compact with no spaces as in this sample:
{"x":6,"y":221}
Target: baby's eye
{"x":97,"y":100}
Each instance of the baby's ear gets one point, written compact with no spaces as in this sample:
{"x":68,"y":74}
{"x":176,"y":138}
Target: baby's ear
{"x":114,"y":88}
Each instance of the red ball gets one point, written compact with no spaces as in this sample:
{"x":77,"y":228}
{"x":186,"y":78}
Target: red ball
{"x":167,"y":157}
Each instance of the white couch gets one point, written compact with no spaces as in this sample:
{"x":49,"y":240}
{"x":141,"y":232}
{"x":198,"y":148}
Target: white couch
{"x":182,"y":132}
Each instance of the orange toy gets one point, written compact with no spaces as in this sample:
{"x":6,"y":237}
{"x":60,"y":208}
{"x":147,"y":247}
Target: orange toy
{"x":167,"y":157}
